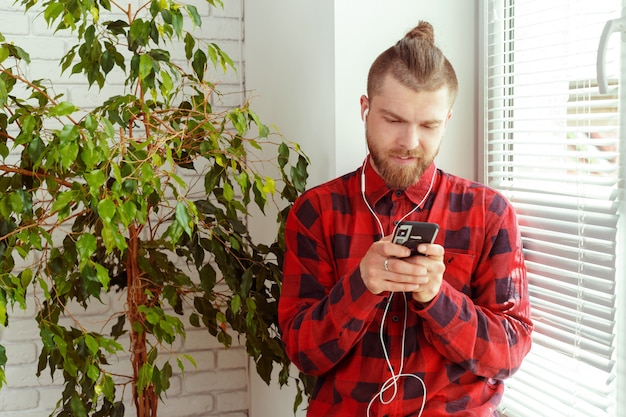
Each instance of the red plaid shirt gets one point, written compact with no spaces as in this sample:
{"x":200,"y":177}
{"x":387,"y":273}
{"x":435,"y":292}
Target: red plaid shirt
{"x":472,"y":335}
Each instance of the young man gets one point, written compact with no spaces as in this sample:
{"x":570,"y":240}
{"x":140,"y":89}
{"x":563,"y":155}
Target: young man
{"x":388,"y":334}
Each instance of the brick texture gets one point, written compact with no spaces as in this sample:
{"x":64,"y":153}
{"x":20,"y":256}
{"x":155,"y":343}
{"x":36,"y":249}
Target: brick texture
{"x":218,"y":386}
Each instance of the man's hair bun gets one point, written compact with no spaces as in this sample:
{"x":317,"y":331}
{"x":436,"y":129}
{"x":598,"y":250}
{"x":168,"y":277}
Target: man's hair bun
{"x":423,"y":30}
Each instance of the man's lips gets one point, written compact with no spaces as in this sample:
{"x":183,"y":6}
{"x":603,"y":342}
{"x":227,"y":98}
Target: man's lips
{"x":403,"y":159}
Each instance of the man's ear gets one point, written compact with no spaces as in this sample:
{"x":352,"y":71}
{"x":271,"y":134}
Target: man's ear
{"x":365,"y":107}
{"x":448,"y":118}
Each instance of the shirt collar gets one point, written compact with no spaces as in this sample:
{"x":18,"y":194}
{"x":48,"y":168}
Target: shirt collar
{"x":376,"y":188}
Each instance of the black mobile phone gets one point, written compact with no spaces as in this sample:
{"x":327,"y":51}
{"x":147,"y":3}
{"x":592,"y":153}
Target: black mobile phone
{"x":411,"y":234}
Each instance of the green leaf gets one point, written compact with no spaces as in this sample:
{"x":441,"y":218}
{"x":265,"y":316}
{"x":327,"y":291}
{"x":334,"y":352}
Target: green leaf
{"x":52,"y":11}
{"x":166,"y":374}
{"x":191,"y":360}
{"x":35,"y":149}
{"x":195,"y":16}
{"x":235,"y":303}
{"x":86,"y":245}
{"x":270,"y":185}
{"x":166,"y":84}
{"x":106,"y":210}
{"x":283,"y":155}
{"x":190,"y":43}
{"x":26,"y":276}
{"x":19,"y":53}
{"x":199,"y":64}
{"x":194,"y":320}
{"x":177,"y":22}
{"x":3,"y":322}
{"x":62,"y":200}
{"x":15,"y":201}
{"x":92,"y":345}
{"x":4,"y":149}
{"x":119,"y":409}
{"x":175,"y":231}
{"x":64,"y":108}
{"x":127,"y":212}
{"x":181,"y":366}
{"x":3,"y":89}
{"x":3,"y":356}
{"x":229,"y":193}
{"x":112,"y":238}
{"x":68,"y":134}
{"x":145,"y":377}
{"x":118,"y":328}
{"x":183,"y":218}
{"x":225,"y":60}
{"x":208,"y":278}
{"x":107,"y":61}
{"x":28,"y":124}
{"x":107,"y":387}
{"x":247,"y":279}
{"x":145,"y":66}
{"x":251,"y":304}
{"x":166,"y":15}
{"x":95,"y":179}
{"x":212,"y":52}
{"x":4,"y":54}
{"x":69,"y":153}
{"x":78,"y":408}
{"x":103,"y":276}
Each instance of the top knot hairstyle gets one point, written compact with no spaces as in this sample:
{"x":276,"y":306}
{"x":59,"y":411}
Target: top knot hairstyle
{"x":416,"y":63}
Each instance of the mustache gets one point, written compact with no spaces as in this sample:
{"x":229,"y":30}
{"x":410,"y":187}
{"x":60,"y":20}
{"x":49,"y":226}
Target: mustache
{"x":404,"y":153}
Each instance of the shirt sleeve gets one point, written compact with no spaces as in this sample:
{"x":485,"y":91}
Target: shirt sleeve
{"x":321,"y":315}
{"x":484,"y":326}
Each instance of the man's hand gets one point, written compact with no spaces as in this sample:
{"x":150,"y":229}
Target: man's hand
{"x":429,"y":281}
{"x":387,"y":267}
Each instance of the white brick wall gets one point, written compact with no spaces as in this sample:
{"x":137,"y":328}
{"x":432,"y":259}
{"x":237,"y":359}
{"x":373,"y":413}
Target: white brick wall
{"x":219,"y":385}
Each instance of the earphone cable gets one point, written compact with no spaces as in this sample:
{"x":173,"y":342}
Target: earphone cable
{"x":392,"y":381}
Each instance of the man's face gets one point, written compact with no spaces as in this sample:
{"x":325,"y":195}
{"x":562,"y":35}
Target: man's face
{"x":404,"y":130}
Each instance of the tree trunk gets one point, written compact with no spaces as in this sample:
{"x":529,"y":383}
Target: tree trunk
{"x":146,"y":400}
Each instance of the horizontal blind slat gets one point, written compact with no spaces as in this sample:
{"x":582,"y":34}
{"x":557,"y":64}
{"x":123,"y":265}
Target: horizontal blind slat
{"x":552,"y":149}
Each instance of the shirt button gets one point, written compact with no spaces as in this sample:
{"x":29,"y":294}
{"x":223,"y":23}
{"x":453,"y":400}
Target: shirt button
{"x":395,"y":318}
{"x":398,"y":193}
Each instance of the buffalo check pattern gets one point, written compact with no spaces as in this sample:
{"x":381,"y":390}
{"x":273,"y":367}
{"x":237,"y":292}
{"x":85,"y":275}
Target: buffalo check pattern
{"x":462,"y":345}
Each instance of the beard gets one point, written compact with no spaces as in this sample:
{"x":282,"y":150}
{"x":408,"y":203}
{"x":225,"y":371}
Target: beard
{"x":399,"y":176}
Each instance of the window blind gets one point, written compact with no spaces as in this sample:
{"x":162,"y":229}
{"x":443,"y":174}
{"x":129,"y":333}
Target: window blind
{"x":552,"y":148}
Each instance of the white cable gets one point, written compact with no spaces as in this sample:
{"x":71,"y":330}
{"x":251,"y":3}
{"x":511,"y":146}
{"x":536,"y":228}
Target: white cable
{"x":392,"y":381}
{"x":380,"y":226}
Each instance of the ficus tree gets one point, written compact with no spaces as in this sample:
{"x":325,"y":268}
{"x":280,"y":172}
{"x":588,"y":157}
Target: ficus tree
{"x":99,"y":200}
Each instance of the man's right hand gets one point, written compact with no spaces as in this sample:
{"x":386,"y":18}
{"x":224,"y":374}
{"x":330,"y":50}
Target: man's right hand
{"x":383,"y":269}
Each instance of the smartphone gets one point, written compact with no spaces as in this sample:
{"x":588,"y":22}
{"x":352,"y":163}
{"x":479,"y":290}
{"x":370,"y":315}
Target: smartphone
{"x":411,"y":234}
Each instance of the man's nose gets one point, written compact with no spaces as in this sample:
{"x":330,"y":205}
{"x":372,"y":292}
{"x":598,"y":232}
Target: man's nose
{"x":411,"y":137}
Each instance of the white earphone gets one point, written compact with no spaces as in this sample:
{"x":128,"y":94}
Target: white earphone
{"x":391,"y":384}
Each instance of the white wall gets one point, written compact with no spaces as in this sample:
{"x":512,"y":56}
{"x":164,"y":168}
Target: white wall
{"x":219,"y":385}
{"x":363,"y":29}
{"x":306,"y":66}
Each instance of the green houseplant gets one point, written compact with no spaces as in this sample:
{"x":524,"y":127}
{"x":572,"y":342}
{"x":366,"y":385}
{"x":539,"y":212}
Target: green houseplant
{"x":97,"y":200}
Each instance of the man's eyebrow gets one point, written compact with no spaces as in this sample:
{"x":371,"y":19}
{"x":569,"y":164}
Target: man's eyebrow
{"x":387,"y":112}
